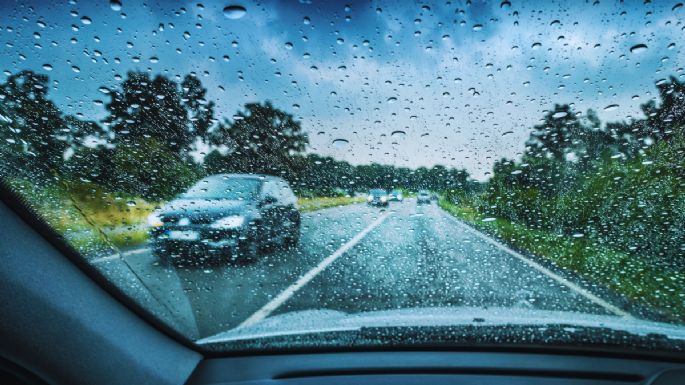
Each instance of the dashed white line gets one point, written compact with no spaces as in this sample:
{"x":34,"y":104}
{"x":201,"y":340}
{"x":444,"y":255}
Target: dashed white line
{"x":606,"y":305}
{"x":119,"y":255}
{"x":290,"y":290}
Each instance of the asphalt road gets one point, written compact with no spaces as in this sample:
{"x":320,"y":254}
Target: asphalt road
{"x":358,"y":258}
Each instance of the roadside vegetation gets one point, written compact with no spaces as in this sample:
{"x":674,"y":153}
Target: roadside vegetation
{"x":606,"y":201}
{"x":318,"y":203}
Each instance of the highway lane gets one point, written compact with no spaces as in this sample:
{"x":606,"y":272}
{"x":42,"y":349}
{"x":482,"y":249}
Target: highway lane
{"x":358,"y":258}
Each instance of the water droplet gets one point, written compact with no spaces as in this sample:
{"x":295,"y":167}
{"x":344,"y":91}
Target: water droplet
{"x":536,"y":45}
{"x":306,"y":20}
{"x":637,"y":48}
{"x":115,"y":5}
{"x":678,"y":5}
{"x":489,"y":219}
{"x":86,"y":20}
{"x":234,"y":12}
{"x":340,"y":40}
{"x":47,"y":67}
{"x":288,"y":45}
{"x":560,"y":114}
{"x":505,"y":4}
{"x":340,"y":143}
{"x":611,"y":107}
{"x":130,"y":203}
{"x":392,"y":99}
{"x":398,"y":134}
{"x":477,"y":27}
{"x":75,"y":69}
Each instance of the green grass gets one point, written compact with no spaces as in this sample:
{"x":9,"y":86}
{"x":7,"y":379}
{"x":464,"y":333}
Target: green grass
{"x":318,"y":203}
{"x":663,"y":291}
{"x":129,"y":238}
{"x":82,"y":214}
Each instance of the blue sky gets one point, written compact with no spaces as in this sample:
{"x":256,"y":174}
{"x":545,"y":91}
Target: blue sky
{"x":463,"y":81}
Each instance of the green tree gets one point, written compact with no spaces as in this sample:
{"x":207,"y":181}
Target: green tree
{"x":556,"y":135}
{"x":194,"y":99}
{"x":667,"y":118}
{"x":150,"y":169}
{"x":261,"y":138}
{"x":149,"y":108}
{"x":31,"y":125}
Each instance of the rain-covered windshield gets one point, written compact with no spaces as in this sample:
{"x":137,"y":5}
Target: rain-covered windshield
{"x":223,"y":187}
{"x":538,"y":146}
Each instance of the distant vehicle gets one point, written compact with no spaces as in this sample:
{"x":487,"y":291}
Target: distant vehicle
{"x":423,"y":197}
{"x":377,"y":197}
{"x":227,"y":214}
{"x":434,"y":196}
{"x":396,"y":195}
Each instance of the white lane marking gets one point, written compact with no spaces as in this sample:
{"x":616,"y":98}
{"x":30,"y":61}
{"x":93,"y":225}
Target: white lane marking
{"x":303,"y":280}
{"x":606,"y":305}
{"x":119,"y":255}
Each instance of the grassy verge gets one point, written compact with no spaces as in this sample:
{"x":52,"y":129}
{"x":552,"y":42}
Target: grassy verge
{"x":83,"y":213}
{"x":318,"y":203}
{"x":635,"y":278}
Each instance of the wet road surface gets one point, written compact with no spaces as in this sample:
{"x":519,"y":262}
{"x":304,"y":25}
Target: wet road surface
{"x":353,"y":259}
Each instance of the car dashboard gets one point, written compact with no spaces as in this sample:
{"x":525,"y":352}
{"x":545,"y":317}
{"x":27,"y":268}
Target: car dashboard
{"x":436,"y":367}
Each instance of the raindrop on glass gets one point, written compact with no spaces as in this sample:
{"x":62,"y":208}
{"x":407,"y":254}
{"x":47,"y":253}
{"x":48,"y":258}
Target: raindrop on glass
{"x":637,"y":48}
{"x":340,"y":143}
{"x":234,"y":12}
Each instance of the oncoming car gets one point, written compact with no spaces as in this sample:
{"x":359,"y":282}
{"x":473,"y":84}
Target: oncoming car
{"x":396,"y":195}
{"x":231,"y":214}
{"x":423,"y":197}
{"x":377,"y":197}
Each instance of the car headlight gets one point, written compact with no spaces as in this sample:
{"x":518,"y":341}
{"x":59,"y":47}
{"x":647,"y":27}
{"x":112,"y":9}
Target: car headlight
{"x":384,"y":198}
{"x":230,"y":222}
{"x":369,"y":198}
{"x":154,"y":220}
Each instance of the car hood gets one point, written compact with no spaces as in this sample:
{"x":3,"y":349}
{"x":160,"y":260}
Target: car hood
{"x":206,"y":208}
{"x":317,"y":321}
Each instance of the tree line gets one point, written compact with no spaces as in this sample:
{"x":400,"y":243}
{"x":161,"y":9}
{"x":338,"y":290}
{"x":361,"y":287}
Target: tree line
{"x":620,"y":184}
{"x":148,"y":142}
